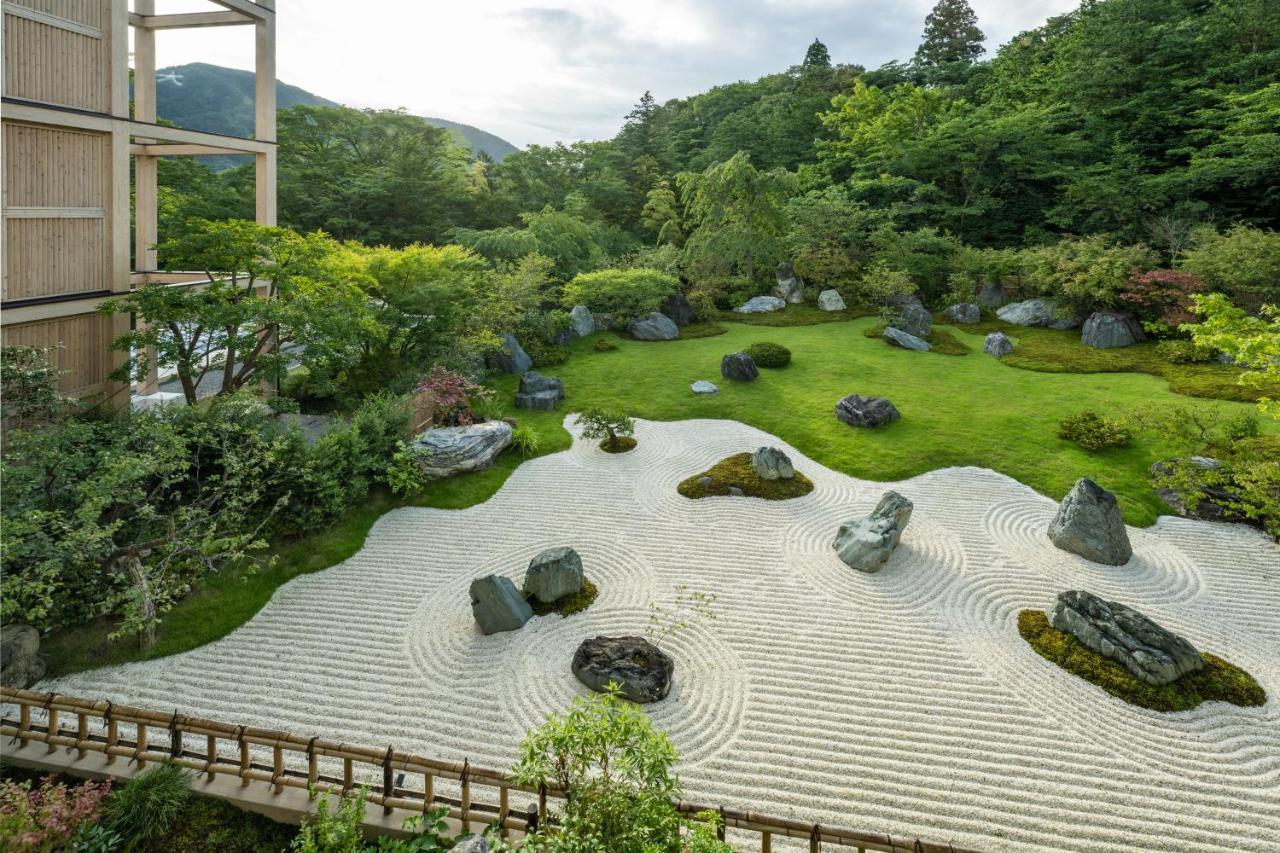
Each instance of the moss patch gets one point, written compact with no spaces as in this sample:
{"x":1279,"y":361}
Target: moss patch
{"x":793,"y":315}
{"x":941,"y":340}
{"x":621,"y":444}
{"x":1219,"y":681}
{"x":737,"y":471}
{"x":206,"y":823}
{"x":702,"y":330}
{"x":567,"y":605}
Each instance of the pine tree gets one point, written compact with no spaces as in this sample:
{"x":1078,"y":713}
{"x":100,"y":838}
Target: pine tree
{"x":817,"y":56}
{"x":951,"y":34}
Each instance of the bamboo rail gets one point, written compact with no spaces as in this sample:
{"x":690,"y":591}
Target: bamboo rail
{"x":388,"y":765}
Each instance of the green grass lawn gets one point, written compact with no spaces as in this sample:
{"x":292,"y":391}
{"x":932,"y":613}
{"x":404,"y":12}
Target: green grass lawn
{"x":968,"y":410}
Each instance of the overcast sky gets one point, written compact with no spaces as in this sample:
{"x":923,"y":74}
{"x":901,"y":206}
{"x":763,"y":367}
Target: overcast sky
{"x":539,"y":71}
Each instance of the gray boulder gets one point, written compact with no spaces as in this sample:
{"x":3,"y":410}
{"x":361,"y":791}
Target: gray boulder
{"x":761,"y":305}
{"x":676,"y":308}
{"x":867,"y":543}
{"x":471,"y":844}
{"x":868,"y":412}
{"x":997,"y":344}
{"x":899,"y":338}
{"x":498,"y":605}
{"x":654,"y":326}
{"x":790,"y":287}
{"x":553,"y":574}
{"x":1111,"y":329}
{"x":735,"y":492}
{"x":831,"y":300}
{"x":991,"y":295}
{"x":1154,"y":654}
{"x":445,"y":451}
{"x":738,"y":366}
{"x":539,"y":401}
{"x":539,"y":392}
{"x":1037,"y":312}
{"x":21,"y":664}
{"x":603,"y":322}
{"x":770,"y":463}
{"x":512,"y":358}
{"x":1089,"y":523}
{"x":642,"y":670}
{"x":581,"y":321}
{"x":702,"y":386}
{"x":902,"y":300}
{"x":964,"y":313}
{"x":914,"y":319}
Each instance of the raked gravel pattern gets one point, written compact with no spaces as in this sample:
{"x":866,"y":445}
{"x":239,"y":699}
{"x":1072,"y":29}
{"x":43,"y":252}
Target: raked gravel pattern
{"x":900,"y":702}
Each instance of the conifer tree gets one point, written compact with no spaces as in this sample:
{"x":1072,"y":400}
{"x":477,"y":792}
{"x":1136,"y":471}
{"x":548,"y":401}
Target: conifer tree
{"x":817,"y":56}
{"x":951,"y":35}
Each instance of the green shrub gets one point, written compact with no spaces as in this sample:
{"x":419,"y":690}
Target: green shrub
{"x":337,"y":832}
{"x":1183,"y":352}
{"x":148,"y":805}
{"x":604,"y":345}
{"x":614,"y":426}
{"x":624,"y":294}
{"x":1245,"y":261}
{"x":546,"y":353}
{"x":1086,"y":272}
{"x":766,"y":354}
{"x":1093,"y":432}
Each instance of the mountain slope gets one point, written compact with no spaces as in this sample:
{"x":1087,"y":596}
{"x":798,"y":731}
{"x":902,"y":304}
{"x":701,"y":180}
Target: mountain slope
{"x":220,"y":100}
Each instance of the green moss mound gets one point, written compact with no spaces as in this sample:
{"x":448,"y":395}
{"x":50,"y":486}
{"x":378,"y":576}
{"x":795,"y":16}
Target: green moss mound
{"x":567,"y":605}
{"x":701,"y":330}
{"x":622,"y":444}
{"x":604,"y":345}
{"x":942,"y":341}
{"x":769,"y":354}
{"x":737,"y":471}
{"x":1219,"y":681}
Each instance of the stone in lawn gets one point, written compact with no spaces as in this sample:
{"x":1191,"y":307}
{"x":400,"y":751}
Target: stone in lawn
{"x":866,"y":411}
{"x":991,"y":295}
{"x":867,"y":543}
{"x":445,"y":451}
{"x":899,"y":338}
{"x":997,"y":344}
{"x":642,"y":670}
{"x":770,"y":463}
{"x":512,"y":358}
{"x":761,"y":305}
{"x":790,"y":287}
{"x":677,"y":309}
{"x":1037,"y":312}
{"x":1089,"y":523}
{"x":964,"y":313}
{"x":553,"y":574}
{"x":581,"y":321}
{"x":498,"y":605}
{"x":702,"y":386}
{"x":914,"y":319}
{"x":654,"y":327}
{"x":1151,"y":652}
{"x":21,"y":664}
{"x":831,"y":300}
{"x":1111,"y":329}
{"x":539,"y":392}
{"x":738,"y":366}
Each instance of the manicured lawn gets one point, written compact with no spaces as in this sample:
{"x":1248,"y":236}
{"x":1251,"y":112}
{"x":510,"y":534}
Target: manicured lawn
{"x":956,"y":410}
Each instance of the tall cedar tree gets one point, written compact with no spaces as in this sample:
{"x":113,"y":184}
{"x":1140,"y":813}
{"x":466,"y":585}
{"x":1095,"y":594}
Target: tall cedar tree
{"x":951,"y":34}
{"x":817,"y":56}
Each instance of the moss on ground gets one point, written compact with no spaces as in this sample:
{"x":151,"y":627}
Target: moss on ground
{"x":207,"y":823}
{"x":567,"y":605}
{"x":621,"y":444}
{"x":737,"y":471}
{"x":942,"y":341}
{"x":794,"y":315}
{"x":702,"y":330}
{"x":1219,"y":681}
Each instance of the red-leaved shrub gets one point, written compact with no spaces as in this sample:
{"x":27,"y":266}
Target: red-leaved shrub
{"x":452,"y":396}
{"x":1163,"y":295}
{"x":46,"y":818}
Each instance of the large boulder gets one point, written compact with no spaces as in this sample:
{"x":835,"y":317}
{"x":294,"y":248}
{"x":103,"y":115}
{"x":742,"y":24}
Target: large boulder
{"x":997,"y":344}
{"x":964,"y":313}
{"x":702,"y":386}
{"x":899,"y":338}
{"x":914,"y":319}
{"x":770,"y":463}
{"x":866,"y":411}
{"x":654,"y":326}
{"x":1216,"y":497}
{"x":581,"y":322}
{"x":21,"y":664}
{"x":1037,"y":312}
{"x":603,"y":322}
{"x":831,"y":300}
{"x":511,"y":358}
{"x":738,"y":366}
{"x":498,"y":605}
{"x":1089,"y":523}
{"x":1153,"y":653}
{"x":1111,"y":329}
{"x":553,"y":574}
{"x":539,"y":392}
{"x":676,"y":308}
{"x":445,"y":451}
{"x":761,"y":305}
{"x":642,"y":670}
{"x":790,"y":287}
{"x":867,"y":543}
{"x":991,"y":295}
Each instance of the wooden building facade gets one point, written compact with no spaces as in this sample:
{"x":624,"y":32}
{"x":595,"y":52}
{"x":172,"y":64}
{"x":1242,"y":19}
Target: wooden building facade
{"x":79,"y":164}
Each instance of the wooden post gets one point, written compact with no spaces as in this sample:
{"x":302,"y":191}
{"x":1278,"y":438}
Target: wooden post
{"x":244,"y":758}
{"x":766,"y":842}
{"x":264,"y":118}
{"x":466,"y":795}
{"x":346,"y":776}
{"x":211,"y":749}
{"x":142,"y":745}
{"x":113,"y":733}
{"x":24,"y":724}
{"x":82,"y":732}
{"x":815,"y":839}
{"x":428,"y":791}
{"x":145,"y":170}
{"x":313,"y":770}
{"x":175,"y":737}
{"x":388,"y":783}
{"x":503,"y":809}
{"x":52,"y":727}
{"x":542,"y":804}
{"x":277,"y":767}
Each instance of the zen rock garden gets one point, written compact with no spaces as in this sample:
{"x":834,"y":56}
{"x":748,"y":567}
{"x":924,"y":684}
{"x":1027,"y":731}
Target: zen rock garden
{"x":553,"y":575}
{"x":867,"y":543}
{"x":1089,"y":523}
{"x":1154,"y":654}
{"x":641,"y":670}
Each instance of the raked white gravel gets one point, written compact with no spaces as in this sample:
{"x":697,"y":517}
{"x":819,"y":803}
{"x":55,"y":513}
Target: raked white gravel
{"x":900,"y":702}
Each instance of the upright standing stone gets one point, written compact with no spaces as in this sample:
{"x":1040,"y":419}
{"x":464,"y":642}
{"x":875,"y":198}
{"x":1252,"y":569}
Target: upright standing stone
{"x":738,"y":366}
{"x":1153,"y":653}
{"x":21,"y":663}
{"x":997,"y":344}
{"x":511,"y":358}
{"x":677,"y":309}
{"x":914,"y":319}
{"x":790,"y":288}
{"x":553,"y":574}
{"x":1089,"y":523}
{"x":867,"y":543}
{"x":581,"y":321}
{"x":770,"y":463}
{"x":497,"y":605}
{"x":831,"y":300}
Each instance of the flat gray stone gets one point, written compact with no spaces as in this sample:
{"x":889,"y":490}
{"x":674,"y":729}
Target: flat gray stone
{"x":1151,"y":652}
{"x":735,"y":492}
{"x":899,"y":338}
{"x":553,"y":574}
{"x":512,"y":358}
{"x":831,"y":300}
{"x":867,"y":543}
{"x":770,"y":463}
{"x":445,"y":451}
{"x":761,"y":305}
{"x":654,"y":326}
{"x":581,"y":322}
{"x":1089,"y":523}
{"x":1037,"y":312}
{"x":739,"y":366}
{"x":702,"y":386}
{"x":1111,"y":329}
{"x":497,"y":605}
{"x":869,"y":412}
{"x":642,"y":670}
{"x":965,"y":313}
{"x":997,"y":344}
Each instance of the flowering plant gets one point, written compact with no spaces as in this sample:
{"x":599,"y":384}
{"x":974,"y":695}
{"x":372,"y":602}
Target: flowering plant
{"x":47,"y":817}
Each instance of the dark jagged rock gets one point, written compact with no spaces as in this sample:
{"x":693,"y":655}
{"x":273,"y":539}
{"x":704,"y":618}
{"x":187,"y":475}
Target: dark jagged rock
{"x":512,"y":358}
{"x":1153,"y":653}
{"x":790,"y":287}
{"x":866,"y":411}
{"x":1089,"y":523}
{"x":738,"y":366}
{"x":539,"y":392}
{"x":676,"y":308}
{"x":642,"y":670}
{"x":914,"y":319}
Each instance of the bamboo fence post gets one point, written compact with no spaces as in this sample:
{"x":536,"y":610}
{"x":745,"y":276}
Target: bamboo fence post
{"x":277,"y":768}
{"x":466,"y":794}
{"x":175,"y":737}
{"x":82,"y":733}
{"x":346,"y":776}
{"x":815,"y":839}
{"x":113,"y":731}
{"x":428,"y":791}
{"x":211,"y":750}
{"x":766,"y":842}
{"x":388,"y":783}
{"x":244,"y":757}
{"x":503,"y":809}
{"x":24,"y":724}
{"x":542,"y":803}
{"x":52,"y":728}
{"x":313,"y":769}
{"x":141,"y":745}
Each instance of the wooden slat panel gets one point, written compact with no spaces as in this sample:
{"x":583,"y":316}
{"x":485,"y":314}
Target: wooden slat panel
{"x":49,"y":167}
{"x":84,"y":348}
{"x":50,"y":257}
{"x":92,"y":13}
{"x":55,"y":66}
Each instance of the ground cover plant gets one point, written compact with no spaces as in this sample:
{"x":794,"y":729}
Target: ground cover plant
{"x":567,"y":605}
{"x":1219,"y":681}
{"x":737,"y":472}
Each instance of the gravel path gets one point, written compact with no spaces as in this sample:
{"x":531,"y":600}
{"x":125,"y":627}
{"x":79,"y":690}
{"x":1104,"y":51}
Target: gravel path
{"x":899,"y":702}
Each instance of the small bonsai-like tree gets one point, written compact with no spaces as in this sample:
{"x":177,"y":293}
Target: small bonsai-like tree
{"x":612,"y":425}
{"x":665,"y":622}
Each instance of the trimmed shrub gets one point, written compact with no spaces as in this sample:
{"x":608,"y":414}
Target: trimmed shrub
{"x":624,"y":294}
{"x":767,"y":354}
{"x":1093,"y":432}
